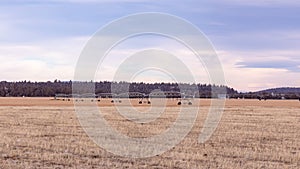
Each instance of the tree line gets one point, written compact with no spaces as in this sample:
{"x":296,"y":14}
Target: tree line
{"x":51,"y":88}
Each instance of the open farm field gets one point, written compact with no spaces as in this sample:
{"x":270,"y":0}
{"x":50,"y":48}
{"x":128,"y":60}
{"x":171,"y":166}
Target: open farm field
{"x":45,"y":133}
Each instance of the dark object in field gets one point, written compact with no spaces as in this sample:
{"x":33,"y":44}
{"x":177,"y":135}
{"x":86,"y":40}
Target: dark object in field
{"x":261,"y":98}
{"x":179,"y":103}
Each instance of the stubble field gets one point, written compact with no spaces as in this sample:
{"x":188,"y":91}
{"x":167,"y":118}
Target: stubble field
{"x":45,"y":133}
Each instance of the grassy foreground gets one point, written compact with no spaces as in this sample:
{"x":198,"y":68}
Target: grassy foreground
{"x":45,"y":133}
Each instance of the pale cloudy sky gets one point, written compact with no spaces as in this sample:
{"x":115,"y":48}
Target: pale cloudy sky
{"x":257,"y":40}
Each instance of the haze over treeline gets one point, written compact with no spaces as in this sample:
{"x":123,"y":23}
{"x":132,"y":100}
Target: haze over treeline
{"x":49,"y":89}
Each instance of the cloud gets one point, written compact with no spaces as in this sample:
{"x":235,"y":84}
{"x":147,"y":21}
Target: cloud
{"x":276,"y":64}
{"x":257,"y":40}
{"x":49,"y":2}
{"x":102,"y":1}
{"x":124,"y":51}
{"x":264,"y":3}
{"x":252,"y":71}
{"x":47,"y":60}
{"x":275,"y":59}
{"x":34,"y":70}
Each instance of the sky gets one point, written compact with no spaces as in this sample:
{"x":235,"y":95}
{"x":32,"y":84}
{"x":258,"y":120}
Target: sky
{"x":257,"y":41}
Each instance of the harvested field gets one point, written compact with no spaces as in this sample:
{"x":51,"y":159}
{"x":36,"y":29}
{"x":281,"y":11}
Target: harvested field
{"x":45,"y":133}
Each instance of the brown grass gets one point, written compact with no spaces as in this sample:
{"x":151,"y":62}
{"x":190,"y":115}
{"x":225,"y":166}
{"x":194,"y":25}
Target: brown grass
{"x":45,"y":133}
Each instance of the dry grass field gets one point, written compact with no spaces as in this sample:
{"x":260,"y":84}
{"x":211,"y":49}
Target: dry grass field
{"x":45,"y":133}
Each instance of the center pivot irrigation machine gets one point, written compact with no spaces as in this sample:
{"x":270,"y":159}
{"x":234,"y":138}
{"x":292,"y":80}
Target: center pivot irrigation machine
{"x":182,"y":98}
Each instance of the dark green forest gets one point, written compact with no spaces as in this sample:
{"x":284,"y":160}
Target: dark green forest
{"x":51,"y":88}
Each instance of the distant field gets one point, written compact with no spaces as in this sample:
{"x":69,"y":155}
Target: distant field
{"x":45,"y":133}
